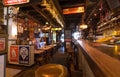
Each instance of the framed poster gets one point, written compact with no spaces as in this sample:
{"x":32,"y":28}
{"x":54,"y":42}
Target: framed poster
{"x":24,"y":54}
{"x":14,"y":54}
{"x":68,"y":35}
{"x":2,"y":44}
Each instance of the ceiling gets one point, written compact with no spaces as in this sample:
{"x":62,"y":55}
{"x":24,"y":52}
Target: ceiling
{"x":73,"y":20}
{"x":38,"y":13}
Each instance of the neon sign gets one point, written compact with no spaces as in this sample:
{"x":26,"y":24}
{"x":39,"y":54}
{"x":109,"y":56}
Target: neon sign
{"x":73,"y":10}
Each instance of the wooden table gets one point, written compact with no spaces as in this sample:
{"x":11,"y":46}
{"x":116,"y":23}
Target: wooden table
{"x":39,"y":51}
{"x":44,"y":52}
{"x":43,"y":49}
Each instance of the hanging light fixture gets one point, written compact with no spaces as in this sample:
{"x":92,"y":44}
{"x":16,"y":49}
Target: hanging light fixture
{"x":83,"y":25}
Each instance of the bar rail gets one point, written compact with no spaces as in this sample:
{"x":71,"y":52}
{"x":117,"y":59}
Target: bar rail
{"x":94,"y":63}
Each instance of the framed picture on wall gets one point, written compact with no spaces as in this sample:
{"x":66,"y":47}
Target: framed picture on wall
{"x":2,"y":44}
{"x":68,"y":35}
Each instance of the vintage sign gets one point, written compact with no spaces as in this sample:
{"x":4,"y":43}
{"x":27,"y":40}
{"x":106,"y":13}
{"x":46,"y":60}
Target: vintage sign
{"x":24,"y":54}
{"x":74,"y":10}
{"x":2,"y":44}
{"x":14,"y":54}
{"x":14,"y":2}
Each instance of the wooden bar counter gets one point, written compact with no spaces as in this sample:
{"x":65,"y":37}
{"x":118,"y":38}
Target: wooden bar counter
{"x":101,"y":64}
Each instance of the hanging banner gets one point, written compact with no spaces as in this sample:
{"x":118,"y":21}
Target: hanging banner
{"x":14,"y":2}
{"x":24,"y":54}
{"x":14,"y":54}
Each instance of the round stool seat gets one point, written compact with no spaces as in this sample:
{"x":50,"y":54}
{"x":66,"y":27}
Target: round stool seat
{"x":51,"y":70}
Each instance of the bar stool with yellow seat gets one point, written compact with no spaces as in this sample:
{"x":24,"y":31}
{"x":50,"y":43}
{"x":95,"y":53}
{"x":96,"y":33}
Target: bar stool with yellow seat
{"x":51,"y":70}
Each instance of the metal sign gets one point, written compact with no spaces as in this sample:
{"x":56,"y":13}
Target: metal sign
{"x":14,"y":2}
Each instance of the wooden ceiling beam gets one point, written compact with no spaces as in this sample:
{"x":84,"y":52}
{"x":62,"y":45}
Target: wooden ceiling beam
{"x":32,"y":18}
{"x":49,"y":19}
{"x":72,"y":5}
{"x":40,"y":12}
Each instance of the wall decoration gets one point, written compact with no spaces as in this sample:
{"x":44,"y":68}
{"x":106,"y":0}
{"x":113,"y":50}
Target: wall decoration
{"x":14,"y":2}
{"x":2,"y":44}
{"x":24,"y":54}
{"x":14,"y":54}
{"x":68,"y":35}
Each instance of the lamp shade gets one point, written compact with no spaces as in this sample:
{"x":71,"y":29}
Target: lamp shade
{"x":83,"y":26}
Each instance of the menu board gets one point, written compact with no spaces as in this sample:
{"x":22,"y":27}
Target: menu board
{"x":2,"y":66}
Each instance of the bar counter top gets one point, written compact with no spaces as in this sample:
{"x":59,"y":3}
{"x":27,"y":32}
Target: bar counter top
{"x":109,"y":66}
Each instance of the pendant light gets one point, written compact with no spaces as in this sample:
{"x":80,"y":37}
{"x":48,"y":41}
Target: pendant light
{"x":83,"y":25}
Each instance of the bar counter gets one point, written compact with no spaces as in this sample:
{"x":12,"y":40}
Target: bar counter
{"x":101,"y":64}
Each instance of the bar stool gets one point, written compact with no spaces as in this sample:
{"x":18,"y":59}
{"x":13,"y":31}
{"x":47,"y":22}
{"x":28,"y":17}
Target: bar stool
{"x":40,"y":59}
{"x":51,"y":70}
